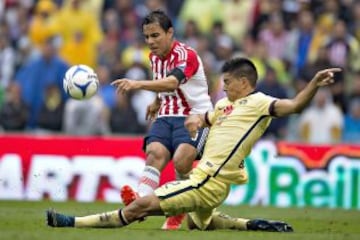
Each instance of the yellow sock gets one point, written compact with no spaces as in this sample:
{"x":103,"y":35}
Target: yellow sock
{"x":222,"y":221}
{"x":102,"y":220}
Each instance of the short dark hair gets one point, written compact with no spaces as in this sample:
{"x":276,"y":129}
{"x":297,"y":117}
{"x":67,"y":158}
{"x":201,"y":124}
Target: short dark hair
{"x":160,"y":17}
{"x":241,"y":67}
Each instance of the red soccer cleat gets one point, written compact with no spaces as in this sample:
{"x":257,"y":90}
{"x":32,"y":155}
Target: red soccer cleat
{"x":128,"y":195}
{"x":173,"y":222}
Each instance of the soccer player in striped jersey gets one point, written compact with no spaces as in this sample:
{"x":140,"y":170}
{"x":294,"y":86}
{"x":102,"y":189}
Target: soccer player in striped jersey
{"x":182,"y":88}
{"x":236,"y":123}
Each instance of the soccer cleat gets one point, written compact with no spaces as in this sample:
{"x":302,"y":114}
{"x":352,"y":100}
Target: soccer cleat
{"x":268,"y":226}
{"x":54,"y":219}
{"x":173,"y":222}
{"x":128,"y":195}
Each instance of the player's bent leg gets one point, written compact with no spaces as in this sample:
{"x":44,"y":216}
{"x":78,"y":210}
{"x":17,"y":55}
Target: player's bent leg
{"x":157,"y":156}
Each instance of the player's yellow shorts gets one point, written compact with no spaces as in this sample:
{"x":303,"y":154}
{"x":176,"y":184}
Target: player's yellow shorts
{"x":199,"y":195}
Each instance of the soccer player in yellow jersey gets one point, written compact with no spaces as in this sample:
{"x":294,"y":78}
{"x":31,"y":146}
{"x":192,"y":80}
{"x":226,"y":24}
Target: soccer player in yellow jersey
{"x":237,"y":122}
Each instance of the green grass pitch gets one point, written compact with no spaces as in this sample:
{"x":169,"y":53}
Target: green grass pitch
{"x":26,"y":220}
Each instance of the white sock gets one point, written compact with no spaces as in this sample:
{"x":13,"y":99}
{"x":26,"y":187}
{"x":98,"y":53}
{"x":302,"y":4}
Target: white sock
{"x":149,"y":181}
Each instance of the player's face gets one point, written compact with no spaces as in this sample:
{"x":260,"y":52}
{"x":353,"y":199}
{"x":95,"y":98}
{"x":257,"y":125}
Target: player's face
{"x":233,"y":86}
{"x":158,"y":40}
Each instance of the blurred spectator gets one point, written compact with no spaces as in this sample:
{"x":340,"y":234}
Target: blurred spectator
{"x":80,"y":33}
{"x":355,"y":86}
{"x":271,"y":86}
{"x":342,"y":47}
{"x":321,"y":36}
{"x":37,"y":74}
{"x":137,"y":52}
{"x":191,"y":34}
{"x":305,"y":74}
{"x":204,"y":13}
{"x":14,"y":111}
{"x":354,"y":25}
{"x":51,"y":113}
{"x":42,"y":25}
{"x":238,"y":18}
{"x":123,"y":117}
{"x":299,"y":41}
{"x":351,"y":131}
{"x":275,"y":37}
{"x":86,"y":117}
{"x":138,"y":72}
{"x":261,"y":60}
{"x":322,"y":122}
{"x":106,"y":91}
{"x":7,"y":60}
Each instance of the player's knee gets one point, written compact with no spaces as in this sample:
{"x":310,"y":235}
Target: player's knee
{"x":183,"y":167}
{"x":155,"y":159}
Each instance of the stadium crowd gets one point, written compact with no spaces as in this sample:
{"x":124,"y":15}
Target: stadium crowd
{"x":288,"y":40}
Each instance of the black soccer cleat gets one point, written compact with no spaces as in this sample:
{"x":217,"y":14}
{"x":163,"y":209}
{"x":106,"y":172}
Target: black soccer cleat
{"x":54,"y":219}
{"x":268,"y":226}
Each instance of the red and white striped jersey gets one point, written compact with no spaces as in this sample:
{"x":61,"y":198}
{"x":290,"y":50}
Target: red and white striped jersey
{"x":192,"y":95}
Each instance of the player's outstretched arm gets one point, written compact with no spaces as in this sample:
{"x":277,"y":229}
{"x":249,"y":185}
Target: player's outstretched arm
{"x":285,"y":107}
{"x":167,"y":84}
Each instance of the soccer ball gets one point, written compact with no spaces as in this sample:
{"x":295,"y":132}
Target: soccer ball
{"x":80,"y":82}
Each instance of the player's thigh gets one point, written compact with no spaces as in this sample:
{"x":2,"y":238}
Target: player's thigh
{"x":199,"y":193}
{"x":160,"y":132}
{"x":157,"y":144}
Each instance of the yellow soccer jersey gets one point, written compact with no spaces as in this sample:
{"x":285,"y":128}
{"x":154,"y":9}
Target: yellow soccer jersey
{"x":235,"y":127}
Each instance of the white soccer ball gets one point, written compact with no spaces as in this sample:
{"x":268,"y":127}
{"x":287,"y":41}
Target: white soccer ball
{"x":80,"y":82}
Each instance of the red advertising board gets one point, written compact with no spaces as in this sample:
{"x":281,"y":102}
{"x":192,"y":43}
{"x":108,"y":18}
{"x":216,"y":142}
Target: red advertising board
{"x":63,"y":168}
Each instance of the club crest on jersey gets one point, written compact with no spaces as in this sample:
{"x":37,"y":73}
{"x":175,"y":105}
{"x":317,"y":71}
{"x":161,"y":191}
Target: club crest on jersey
{"x":228,"y":109}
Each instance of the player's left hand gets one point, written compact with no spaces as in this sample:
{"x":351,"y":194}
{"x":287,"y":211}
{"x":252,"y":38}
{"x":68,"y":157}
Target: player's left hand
{"x":325,"y":77}
{"x":124,"y":85}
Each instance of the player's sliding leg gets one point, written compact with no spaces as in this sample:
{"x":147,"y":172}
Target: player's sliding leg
{"x":140,"y":208}
{"x":106,"y":219}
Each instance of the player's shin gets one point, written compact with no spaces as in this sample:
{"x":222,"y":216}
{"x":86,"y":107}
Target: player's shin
{"x":222,"y":221}
{"x":149,"y":181}
{"x":103,"y":220}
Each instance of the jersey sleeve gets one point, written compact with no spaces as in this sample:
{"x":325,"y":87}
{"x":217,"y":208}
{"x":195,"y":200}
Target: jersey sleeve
{"x":266,"y":105}
{"x":188,"y":63}
{"x":211,"y":116}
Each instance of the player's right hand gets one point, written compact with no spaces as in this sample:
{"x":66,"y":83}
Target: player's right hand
{"x":325,"y":77}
